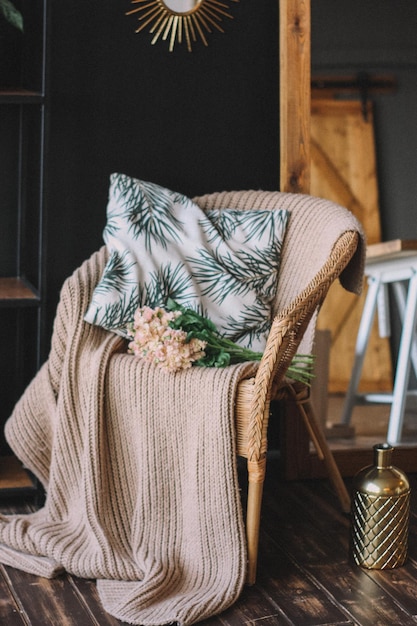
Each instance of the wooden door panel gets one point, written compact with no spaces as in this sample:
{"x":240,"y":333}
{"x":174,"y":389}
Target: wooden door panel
{"x":343,"y":169}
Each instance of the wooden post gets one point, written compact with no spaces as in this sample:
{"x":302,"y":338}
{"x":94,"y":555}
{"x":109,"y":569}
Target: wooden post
{"x":295,"y":94}
{"x":295,"y":105}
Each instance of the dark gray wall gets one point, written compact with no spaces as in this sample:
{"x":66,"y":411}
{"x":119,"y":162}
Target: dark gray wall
{"x":195,"y":122}
{"x":208,"y":120}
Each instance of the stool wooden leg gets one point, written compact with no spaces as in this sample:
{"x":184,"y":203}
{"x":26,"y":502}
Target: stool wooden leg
{"x":325,"y":453}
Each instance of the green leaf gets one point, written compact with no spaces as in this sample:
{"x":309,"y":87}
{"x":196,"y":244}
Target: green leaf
{"x":115,"y":315}
{"x":168,"y":282}
{"x":258,"y":228}
{"x":149,"y":209}
{"x":219,"y":224}
{"x":216,"y":273}
{"x":221,"y":274}
{"x":250,"y":324}
{"x":12,"y":15}
{"x":220,"y":351}
{"x":117,"y":274}
{"x":111,"y":228}
{"x":190,"y":321}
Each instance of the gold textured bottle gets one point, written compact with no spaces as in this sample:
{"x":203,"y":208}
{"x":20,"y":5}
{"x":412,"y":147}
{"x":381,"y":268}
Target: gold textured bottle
{"x":380,"y":513}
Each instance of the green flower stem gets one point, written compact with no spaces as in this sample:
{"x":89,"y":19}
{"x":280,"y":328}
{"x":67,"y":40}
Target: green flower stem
{"x":234,"y":350}
{"x":221,"y":351}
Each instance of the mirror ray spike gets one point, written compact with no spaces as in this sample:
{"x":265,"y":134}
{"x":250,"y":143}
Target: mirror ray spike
{"x":183,"y":23}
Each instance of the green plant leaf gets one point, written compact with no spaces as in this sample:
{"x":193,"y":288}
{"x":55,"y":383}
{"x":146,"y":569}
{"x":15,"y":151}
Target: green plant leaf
{"x":257,"y":228}
{"x":11,"y":14}
{"x":114,"y":315}
{"x":168,"y":281}
{"x":221,"y":351}
{"x":221,"y":274}
{"x":219,"y":224}
{"x":249,"y":324}
{"x":149,"y":210}
{"x":117,"y":274}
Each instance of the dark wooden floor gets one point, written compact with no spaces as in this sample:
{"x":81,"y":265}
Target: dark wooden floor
{"x":305,"y":576}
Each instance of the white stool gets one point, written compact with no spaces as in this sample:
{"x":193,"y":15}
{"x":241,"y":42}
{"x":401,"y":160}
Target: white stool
{"x":392,"y":262}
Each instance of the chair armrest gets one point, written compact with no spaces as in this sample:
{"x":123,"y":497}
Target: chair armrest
{"x":287,"y":330}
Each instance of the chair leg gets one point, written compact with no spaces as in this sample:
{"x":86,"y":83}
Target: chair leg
{"x":256,"y":477}
{"x":322,"y":447}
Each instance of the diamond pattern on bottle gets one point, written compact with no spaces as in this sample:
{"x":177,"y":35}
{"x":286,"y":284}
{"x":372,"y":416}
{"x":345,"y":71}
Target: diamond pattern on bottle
{"x":380,"y":530}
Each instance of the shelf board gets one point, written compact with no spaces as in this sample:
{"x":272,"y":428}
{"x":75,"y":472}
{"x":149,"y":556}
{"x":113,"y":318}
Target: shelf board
{"x":17,"y":292}
{"x":391,"y":249}
{"x":20,"y":96}
{"x":13,"y":476}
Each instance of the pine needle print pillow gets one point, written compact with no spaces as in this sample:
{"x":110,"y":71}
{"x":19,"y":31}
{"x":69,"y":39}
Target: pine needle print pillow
{"x":223,"y":264}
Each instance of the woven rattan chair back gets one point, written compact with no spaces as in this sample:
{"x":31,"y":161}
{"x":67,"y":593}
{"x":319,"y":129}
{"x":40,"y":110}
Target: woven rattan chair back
{"x":323,"y":242}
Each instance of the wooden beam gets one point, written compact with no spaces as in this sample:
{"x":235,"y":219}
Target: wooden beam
{"x":295,"y":105}
{"x":295,"y":94}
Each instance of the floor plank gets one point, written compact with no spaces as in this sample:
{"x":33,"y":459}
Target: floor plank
{"x":306,"y":577}
{"x":10,"y":614}
{"x":319,"y":544}
{"x":47,"y":602}
{"x":87,"y":591}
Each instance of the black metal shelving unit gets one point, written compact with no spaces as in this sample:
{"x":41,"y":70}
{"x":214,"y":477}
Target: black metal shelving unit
{"x":22,"y":220}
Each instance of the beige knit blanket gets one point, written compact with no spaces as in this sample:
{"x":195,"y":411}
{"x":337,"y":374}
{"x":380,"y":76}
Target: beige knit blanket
{"x":139,"y":469}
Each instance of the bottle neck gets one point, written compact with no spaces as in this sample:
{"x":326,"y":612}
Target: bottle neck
{"x":383,"y":455}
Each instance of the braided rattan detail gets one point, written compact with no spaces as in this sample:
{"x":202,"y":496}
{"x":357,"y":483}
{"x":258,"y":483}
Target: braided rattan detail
{"x":285,"y":335}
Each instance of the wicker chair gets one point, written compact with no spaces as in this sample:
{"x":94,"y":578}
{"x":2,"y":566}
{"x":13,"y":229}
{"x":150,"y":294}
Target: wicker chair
{"x":323,"y":242}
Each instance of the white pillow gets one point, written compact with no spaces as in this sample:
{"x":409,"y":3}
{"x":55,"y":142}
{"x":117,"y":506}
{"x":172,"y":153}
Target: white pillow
{"x":223,"y":264}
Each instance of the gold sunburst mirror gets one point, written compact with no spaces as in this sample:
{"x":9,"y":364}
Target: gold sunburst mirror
{"x":180,"y":20}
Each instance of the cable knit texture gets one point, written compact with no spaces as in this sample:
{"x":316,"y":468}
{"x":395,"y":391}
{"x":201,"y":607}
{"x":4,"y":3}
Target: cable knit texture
{"x":139,"y":464}
{"x":140,"y":472}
